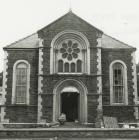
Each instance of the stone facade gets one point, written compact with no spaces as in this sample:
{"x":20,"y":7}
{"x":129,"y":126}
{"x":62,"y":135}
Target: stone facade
{"x":93,"y":85}
{"x":137,"y":68}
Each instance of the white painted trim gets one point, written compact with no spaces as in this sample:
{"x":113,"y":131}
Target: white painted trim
{"x":124,"y":80}
{"x":14,"y":81}
{"x":99,"y":82}
{"x":70,"y":89}
{"x":83,"y":98}
{"x":39,"y":109}
{"x":40,"y":42}
{"x":99,"y":78}
{"x":40,"y":81}
{"x":99,"y":41}
{"x":71,"y":34}
{"x":4,"y":89}
{"x":134,"y":81}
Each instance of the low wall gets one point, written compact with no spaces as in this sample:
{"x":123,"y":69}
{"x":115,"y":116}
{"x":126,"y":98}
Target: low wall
{"x":69,"y":133}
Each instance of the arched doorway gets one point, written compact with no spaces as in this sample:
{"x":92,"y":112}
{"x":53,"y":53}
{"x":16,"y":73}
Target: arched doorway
{"x":70,"y":97}
{"x":70,"y":103}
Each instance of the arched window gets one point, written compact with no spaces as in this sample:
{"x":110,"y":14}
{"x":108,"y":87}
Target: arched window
{"x":60,"y":66}
{"x":73,"y":49}
{"x":118,"y":83}
{"x":70,"y":54}
{"x":21,"y":77}
{"x":79,"y":66}
{"x":66,"y":67}
{"x":72,"y":67}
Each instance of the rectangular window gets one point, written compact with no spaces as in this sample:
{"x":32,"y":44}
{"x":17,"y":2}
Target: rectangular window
{"x":118,"y":87}
{"x":21,"y":85}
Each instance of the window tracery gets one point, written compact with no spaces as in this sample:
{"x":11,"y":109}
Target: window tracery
{"x":69,"y":57}
{"x":70,"y":53}
{"x":69,"y":50}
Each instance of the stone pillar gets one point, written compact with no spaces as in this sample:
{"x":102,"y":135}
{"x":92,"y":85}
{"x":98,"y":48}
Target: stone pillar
{"x":4,"y":90}
{"x":40,"y":81}
{"x":99,"y":85}
{"x":134,"y":81}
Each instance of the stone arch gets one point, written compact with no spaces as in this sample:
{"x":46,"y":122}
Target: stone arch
{"x":14,"y":80}
{"x":82,"y":98}
{"x":70,"y":34}
{"x":124,"y":81}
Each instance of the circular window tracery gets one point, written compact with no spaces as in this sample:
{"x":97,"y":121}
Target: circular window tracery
{"x":69,"y":50}
{"x":60,"y":54}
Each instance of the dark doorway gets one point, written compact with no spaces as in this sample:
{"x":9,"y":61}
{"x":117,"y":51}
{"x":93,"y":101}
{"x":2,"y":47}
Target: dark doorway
{"x":69,"y":105}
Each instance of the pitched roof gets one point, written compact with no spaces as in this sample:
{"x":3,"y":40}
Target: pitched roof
{"x":110,"y":42}
{"x":69,"y":15}
{"x":32,"y":41}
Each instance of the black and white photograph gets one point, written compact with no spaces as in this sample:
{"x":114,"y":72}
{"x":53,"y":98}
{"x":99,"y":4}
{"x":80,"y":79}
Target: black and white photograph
{"x":69,"y":69}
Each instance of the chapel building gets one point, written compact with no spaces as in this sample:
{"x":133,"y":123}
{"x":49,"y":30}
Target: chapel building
{"x":69,"y":67}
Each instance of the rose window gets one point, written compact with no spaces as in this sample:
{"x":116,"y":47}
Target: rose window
{"x":69,"y":50}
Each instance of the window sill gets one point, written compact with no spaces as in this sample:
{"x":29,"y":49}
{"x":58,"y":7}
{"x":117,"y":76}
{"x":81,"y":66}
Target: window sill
{"x":64,"y":73}
{"x":19,"y":104}
{"x":118,"y":104}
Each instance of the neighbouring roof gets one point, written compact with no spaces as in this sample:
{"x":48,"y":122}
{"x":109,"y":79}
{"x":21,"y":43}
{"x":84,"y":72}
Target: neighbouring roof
{"x":32,"y":41}
{"x":110,"y":42}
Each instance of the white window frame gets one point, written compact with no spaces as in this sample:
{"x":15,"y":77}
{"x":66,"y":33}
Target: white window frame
{"x":125,"y":94}
{"x":14,"y":82}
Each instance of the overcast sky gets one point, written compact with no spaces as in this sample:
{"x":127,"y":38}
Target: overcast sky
{"x":117,"y":18}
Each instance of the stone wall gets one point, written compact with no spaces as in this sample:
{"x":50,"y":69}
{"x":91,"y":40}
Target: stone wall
{"x":69,"y":22}
{"x":64,"y":133}
{"x":121,"y":112}
{"x":22,"y":113}
{"x":52,"y":80}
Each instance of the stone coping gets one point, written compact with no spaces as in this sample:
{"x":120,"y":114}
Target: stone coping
{"x":69,"y":133}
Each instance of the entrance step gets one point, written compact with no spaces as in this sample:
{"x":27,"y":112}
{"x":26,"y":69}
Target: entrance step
{"x":73,"y":125}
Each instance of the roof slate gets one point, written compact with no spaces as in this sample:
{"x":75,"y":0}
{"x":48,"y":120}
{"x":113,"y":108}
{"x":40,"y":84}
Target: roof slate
{"x":110,"y":42}
{"x":32,"y":41}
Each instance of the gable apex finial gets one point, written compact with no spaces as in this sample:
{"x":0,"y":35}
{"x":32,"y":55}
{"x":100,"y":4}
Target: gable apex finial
{"x":70,"y":9}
